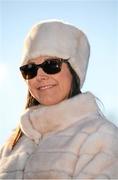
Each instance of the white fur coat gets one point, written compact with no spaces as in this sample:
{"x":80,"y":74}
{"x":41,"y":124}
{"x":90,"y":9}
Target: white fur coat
{"x":70,"y":140}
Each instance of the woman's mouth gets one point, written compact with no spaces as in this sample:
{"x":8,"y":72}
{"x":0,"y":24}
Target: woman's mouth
{"x":45,"y":87}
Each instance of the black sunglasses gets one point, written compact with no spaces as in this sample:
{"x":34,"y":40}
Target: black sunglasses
{"x":49,"y":66}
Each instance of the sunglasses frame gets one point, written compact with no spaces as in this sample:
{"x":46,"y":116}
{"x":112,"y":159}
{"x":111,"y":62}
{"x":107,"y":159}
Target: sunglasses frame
{"x":25,"y":68}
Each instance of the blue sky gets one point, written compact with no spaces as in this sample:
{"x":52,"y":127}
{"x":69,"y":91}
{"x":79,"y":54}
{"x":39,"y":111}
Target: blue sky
{"x":99,"y":21}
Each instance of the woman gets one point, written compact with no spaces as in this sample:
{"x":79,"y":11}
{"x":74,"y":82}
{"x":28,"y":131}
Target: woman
{"x":62,"y":134}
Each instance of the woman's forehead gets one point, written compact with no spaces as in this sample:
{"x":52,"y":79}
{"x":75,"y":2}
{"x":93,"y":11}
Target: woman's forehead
{"x":42,"y":58}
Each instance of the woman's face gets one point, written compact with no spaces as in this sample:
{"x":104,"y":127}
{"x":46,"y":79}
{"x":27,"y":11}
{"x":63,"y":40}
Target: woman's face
{"x":50,"y":89}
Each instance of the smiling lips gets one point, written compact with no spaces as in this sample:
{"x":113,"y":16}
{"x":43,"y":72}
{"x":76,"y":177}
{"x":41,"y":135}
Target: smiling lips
{"x":44,"y":87}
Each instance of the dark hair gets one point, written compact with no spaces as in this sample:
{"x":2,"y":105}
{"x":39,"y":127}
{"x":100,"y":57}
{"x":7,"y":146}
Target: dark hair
{"x":75,"y":89}
{"x":31,"y":101}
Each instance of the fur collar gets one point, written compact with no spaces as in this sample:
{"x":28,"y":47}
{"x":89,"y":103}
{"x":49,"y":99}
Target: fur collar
{"x":40,"y":120}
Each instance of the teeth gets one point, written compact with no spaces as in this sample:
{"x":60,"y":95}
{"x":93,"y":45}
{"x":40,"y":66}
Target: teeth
{"x":45,"y":87}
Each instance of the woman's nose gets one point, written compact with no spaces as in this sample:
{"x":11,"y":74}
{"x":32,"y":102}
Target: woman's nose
{"x":41,"y":75}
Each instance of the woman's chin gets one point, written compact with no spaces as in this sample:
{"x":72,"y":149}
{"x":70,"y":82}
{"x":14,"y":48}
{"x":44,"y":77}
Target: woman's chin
{"x":49,"y":102}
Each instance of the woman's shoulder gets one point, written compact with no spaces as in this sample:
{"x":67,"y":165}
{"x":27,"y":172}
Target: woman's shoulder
{"x":109,"y":134}
{"x":104,"y":137}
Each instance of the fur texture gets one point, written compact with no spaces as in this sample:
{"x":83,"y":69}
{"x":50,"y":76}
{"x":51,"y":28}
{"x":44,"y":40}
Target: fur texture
{"x":43,"y":120}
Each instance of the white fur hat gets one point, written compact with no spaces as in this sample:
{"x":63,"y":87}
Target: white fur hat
{"x":60,"y":39}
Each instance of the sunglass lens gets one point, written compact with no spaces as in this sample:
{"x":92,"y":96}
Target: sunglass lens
{"x":29,"y":71}
{"x":52,"y":66}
